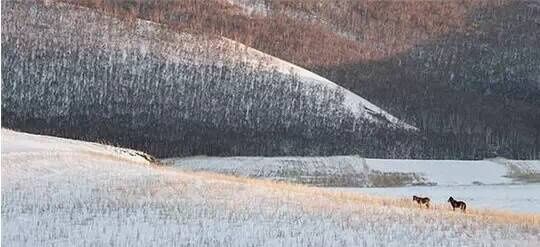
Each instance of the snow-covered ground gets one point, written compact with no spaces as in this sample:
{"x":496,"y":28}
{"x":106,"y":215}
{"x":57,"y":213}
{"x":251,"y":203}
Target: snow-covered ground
{"x":458,"y":172}
{"x":310,"y":170}
{"x":497,"y":183}
{"x":369,"y":172}
{"x":517,"y":197}
{"x":70,"y":193}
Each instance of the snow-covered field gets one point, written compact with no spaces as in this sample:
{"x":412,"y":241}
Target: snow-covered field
{"x":354,"y":171}
{"x":69,"y":193}
{"x":466,"y":172}
{"x":321,"y":171}
{"x":496,"y":183}
{"x":517,"y":197}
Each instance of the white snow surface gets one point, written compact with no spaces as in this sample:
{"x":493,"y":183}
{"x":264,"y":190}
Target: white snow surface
{"x":59,"y":192}
{"x":483,"y":183}
{"x":438,"y":172}
{"x":250,"y":7}
{"x":514,"y":197}
{"x":447,"y":172}
{"x":272,"y":167}
{"x":357,"y":104}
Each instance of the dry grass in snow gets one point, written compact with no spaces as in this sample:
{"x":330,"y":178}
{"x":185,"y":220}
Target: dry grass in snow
{"x":69,"y":193}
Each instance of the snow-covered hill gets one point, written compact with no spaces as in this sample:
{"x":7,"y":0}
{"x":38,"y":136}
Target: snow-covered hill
{"x":75,"y":72}
{"x":69,"y":193}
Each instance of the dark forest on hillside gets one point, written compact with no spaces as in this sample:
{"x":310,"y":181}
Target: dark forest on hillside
{"x":200,"y":110}
{"x":465,"y":72}
{"x":67,"y":81}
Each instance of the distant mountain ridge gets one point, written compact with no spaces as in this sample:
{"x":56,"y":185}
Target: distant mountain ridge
{"x":75,"y":72}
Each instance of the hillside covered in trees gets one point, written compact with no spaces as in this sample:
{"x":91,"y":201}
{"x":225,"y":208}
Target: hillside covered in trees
{"x":75,"y":72}
{"x":467,"y":73}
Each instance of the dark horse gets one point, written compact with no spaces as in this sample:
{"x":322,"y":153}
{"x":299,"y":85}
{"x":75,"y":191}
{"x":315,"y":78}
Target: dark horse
{"x":457,"y":204}
{"x":421,"y":200}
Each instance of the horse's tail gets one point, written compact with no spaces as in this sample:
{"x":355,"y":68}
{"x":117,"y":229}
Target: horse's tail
{"x":464,"y":207}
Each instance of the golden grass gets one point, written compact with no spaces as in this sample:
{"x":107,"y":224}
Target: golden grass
{"x":310,"y":198}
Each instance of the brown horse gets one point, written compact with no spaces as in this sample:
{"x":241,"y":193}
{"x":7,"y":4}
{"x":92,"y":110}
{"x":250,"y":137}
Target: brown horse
{"x":421,"y":200}
{"x":457,"y":204}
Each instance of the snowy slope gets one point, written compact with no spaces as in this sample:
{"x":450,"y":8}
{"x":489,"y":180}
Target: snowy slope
{"x":321,"y":171}
{"x":69,"y":193}
{"x":189,"y":93}
{"x":32,"y":144}
{"x":358,"y":105}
